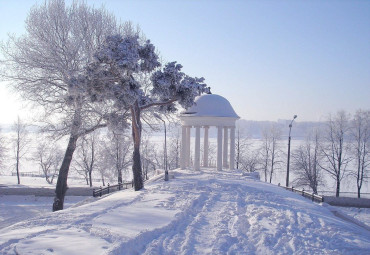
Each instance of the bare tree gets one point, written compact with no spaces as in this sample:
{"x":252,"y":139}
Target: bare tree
{"x":306,"y":162}
{"x":85,"y":161}
{"x":336,"y":149}
{"x":20,"y":144}
{"x":251,"y":161}
{"x":275,"y":136}
{"x":49,"y":157}
{"x":148,"y":150}
{"x":41,"y":65}
{"x":265,"y":151}
{"x":174,"y":147}
{"x":270,"y":150}
{"x":117,"y":153}
{"x":242,"y":145}
{"x":360,"y":133}
{"x":212,"y":152}
{"x":2,"y":150}
{"x":247,"y":158}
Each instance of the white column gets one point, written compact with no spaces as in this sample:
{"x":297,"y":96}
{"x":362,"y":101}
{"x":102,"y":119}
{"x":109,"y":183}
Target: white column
{"x":205,"y":157}
{"x":183,"y":148}
{"x":197,"y":149}
{"x":219,"y":148}
{"x":188,"y":129}
{"x":232,"y":148}
{"x":226,"y":143}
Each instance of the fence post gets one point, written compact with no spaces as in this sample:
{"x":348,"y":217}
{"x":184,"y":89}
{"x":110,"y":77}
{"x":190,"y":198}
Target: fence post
{"x":303,"y":192}
{"x":108,"y":187}
{"x":292,"y":189}
{"x":100,"y":191}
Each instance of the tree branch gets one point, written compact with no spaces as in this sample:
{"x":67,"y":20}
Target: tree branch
{"x":158,"y":104}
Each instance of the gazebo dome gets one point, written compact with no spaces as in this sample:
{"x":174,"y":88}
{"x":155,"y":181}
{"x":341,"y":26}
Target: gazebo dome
{"x":211,"y":105}
{"x":209,"y":110}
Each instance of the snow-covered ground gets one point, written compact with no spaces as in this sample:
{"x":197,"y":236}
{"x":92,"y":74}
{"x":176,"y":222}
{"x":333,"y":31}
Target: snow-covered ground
{"x":19,"y":208}
{"x":361,"y":214}
{"x":203,"y":212}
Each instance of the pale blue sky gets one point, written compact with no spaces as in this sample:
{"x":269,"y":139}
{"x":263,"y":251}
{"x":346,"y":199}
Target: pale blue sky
{"x":270,"y":59}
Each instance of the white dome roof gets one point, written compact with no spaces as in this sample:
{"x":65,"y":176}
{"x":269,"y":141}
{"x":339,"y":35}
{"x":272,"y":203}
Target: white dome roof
{"x":211,"y":105}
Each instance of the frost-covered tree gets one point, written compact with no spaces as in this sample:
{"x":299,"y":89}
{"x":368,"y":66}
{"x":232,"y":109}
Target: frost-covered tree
{"x":360,"y":134}
{"x":306,"y":162}
{"x":265,"y":152}
{"x":21,"y":142}
{"x":337,"y":149}
{"x":174,"y":147}
{"x":116,"y":151}
{"x":270,"y":150}
{"x":58,"y":43}
{"x":2,"y":150}
{"x":148,"y":151}
{"x":242,"y":146}
{"x":115,"y":74}
{"x":251,"y":160}
{"x":87,"y":152}
{"x":48,"y":156}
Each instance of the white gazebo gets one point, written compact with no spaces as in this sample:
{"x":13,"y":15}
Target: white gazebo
{"x":209,"y":110}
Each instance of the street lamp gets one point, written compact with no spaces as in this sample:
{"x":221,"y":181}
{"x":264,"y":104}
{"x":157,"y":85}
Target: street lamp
{"x":287,"y":168}
{"x":165,"y":146}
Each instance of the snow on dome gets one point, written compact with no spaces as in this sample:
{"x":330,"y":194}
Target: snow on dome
{"x":211,"y":105}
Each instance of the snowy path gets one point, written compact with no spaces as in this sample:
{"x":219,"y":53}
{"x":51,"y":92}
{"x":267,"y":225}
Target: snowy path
{"x":195,"y":213}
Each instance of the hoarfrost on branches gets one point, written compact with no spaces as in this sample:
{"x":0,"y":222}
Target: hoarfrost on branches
{"x":116,"y":75}
{"x":46,"y":65}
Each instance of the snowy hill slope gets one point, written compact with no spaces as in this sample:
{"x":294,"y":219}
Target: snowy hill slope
{"x":204,"y":212}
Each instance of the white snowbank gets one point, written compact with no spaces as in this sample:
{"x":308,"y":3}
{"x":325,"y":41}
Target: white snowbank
{"x":195,"y":213}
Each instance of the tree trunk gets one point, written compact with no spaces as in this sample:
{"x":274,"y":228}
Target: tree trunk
{"x":272,"y":164}
{"x":338,"y":188}
{"x":136,"y":135}
{"x":17,"y":160}
{"x":17,"y":167}
{"x":48,"y":180}
{"x":102,"y":179}
{"x":120,"y":176}
{"x":90,"y":179}
{"x":359,"y":192}
{"x":61,"y":187}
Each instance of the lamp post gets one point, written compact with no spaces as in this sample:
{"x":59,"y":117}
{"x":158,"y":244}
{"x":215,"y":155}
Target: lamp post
{"x":287,"y":167}
{"x":165,"y":147}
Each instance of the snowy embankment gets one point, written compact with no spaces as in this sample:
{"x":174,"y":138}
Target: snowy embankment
{"x":203,"y":212}
{"x":19,"y":208}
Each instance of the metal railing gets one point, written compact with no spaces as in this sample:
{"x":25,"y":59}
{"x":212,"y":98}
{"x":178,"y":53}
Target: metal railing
{"x":111,"y":188}
{"x":344,"y":194}
{"x":28,"y":174}
{"x":314,"y":197}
